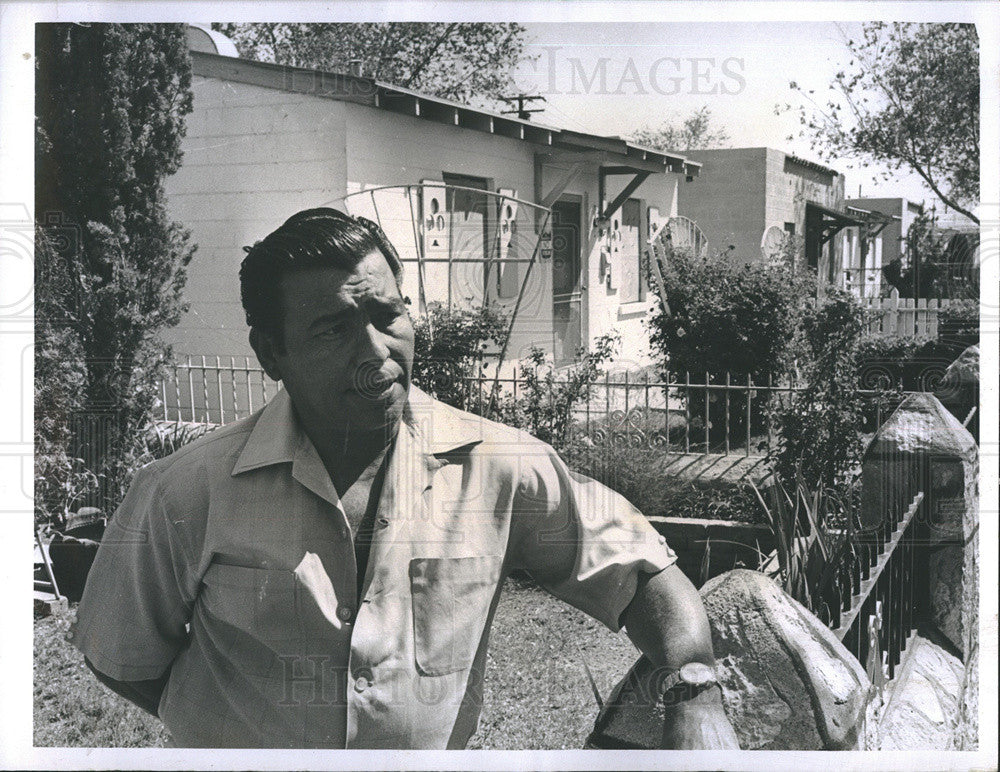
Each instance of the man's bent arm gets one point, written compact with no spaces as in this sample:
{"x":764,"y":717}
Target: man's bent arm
{"x":145,"y":694}
{"x":666,"y":621}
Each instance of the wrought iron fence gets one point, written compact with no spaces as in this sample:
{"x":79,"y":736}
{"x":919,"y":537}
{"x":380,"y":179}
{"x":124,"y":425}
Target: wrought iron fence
{"x":878,"y":593}
{"x":693,"y":413}
{"x":214,"y":390}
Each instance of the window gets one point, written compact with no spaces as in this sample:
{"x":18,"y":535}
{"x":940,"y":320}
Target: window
{"x":467,"y":207}
{"x":469,"y":212}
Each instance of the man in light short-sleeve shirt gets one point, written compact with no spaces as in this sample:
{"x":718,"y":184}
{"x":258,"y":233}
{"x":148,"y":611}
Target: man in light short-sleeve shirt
{"x":324,"y":573}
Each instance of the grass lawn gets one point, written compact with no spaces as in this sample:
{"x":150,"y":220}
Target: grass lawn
{"x":537,"y":693}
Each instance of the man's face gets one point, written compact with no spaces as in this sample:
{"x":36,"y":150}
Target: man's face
{"x":348,"y":345}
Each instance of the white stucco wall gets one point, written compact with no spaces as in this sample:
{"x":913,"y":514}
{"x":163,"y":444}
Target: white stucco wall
{"x":255,"y":155}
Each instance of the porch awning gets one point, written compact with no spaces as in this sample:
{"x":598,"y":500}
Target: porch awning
{"x":824,"y":223}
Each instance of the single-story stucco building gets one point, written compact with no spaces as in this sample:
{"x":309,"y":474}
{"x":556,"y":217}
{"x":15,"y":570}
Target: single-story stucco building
{"x":264,"y":141}
{"x":749,"y":202}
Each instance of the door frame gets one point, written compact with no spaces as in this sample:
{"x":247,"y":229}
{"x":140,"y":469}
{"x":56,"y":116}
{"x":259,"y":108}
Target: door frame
{"x":583,"y":241}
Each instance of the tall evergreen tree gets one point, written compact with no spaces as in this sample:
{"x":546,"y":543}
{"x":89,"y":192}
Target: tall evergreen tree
{"x":110,"y":105}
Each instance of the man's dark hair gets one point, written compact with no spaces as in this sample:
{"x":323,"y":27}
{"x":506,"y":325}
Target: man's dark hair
{"x":312,"y":238}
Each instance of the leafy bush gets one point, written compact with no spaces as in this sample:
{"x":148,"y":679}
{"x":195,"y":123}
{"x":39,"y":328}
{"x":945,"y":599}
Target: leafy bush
{"x":819,"y":429}
{"x":450,"y":348}
{"x":958,"y":325}
{"x":547,"y":400}
{"x":902,"y":362}
{"x":727,"y":317}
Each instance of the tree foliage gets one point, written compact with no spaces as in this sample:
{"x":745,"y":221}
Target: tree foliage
{"x":696,"y":132}
{"x":938,"y":265}
{"x":908,"y":99}
{"x":110,"y":107}
{"x":466,"y":62}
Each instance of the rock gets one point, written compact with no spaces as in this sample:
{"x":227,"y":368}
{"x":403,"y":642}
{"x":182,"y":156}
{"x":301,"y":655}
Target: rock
{"x":922,"y":701}
{"x":945,"y":585}
{"x":958,"y":389}
{"x":966,"y":735}
{"x":924,"y":447}
{"x":787,"y":682}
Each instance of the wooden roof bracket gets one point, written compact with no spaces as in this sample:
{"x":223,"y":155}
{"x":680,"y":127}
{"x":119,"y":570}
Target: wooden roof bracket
{"x":548,"y":199}
{"x":608,"y":211}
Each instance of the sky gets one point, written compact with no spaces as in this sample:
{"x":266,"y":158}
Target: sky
{"x":611,"y":79}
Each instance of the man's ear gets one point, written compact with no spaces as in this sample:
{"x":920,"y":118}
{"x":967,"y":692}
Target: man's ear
{"x":264,"y":347}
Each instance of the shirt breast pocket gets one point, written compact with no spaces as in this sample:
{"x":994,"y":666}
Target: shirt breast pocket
{"x":255,"y":603}
{"x":451,"y":603}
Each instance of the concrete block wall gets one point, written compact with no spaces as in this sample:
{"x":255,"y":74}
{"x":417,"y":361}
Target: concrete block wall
{"x":728,"y":199}
{"x":252,"y":157}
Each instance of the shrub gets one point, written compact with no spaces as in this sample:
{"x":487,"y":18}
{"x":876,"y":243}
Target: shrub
{"x":548,"y":399}
{"x":451,"y":344}
{"x":819,"y":430}
{"x":727,"y":317}
{"x":958,"y":325}
{"x":902,"y":362}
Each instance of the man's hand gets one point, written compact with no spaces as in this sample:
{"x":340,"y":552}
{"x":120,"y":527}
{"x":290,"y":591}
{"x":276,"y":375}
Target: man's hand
{"x":699,"y":724}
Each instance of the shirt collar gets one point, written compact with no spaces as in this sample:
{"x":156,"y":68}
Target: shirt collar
{"x":277,"y":437}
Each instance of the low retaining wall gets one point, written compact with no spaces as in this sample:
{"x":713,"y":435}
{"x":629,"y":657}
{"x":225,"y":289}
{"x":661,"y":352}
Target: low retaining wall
{"x":730,"y":544}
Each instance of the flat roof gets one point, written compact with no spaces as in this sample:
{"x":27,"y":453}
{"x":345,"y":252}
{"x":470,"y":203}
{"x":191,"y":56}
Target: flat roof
{"x":385,"y":96}
{"x":764,"y":148}
{"x":810,"y":164}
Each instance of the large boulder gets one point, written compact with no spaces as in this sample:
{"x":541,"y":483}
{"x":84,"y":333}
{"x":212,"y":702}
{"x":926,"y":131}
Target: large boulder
{"x":958,"y":389}
{"x":787,"y":682}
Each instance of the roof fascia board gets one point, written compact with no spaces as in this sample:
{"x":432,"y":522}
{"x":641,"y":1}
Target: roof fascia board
{"x":610,"y":161}
{"x":346,"y":88}
{"x":811,"y":165}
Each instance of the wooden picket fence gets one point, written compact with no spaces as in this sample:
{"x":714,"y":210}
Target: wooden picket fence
{"x":904,"y":316}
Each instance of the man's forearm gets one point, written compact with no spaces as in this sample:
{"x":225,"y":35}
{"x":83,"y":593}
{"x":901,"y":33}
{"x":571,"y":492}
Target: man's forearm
{"x":666,"y":621}
{"x":145,"y":694}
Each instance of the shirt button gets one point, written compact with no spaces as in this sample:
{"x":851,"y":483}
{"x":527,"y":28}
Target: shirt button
{"x":345,"y":613}
{"x":382,"y":522}
{"x":362,"y":682}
